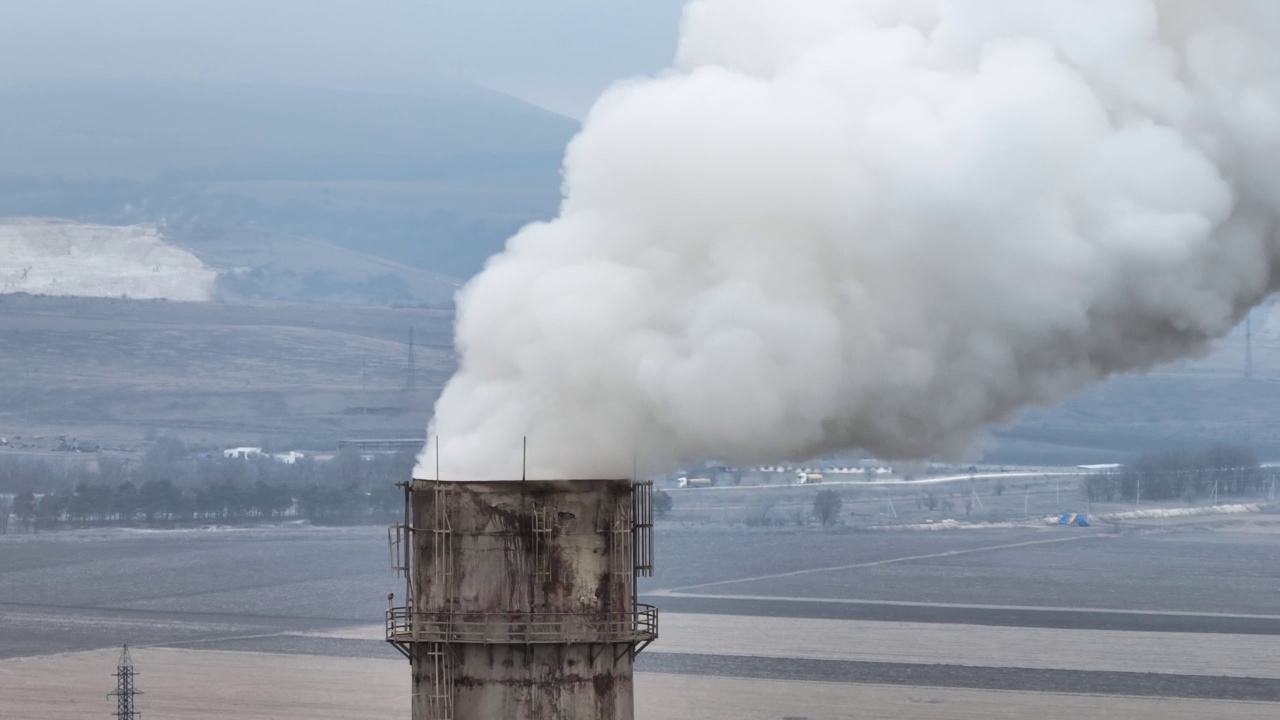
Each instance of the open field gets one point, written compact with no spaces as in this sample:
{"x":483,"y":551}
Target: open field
{"x":1138,"y":568}
{"x":81,"y":590}
{"x":1255,"y":656}
{"x":1163,"y":573}
{"x":281,"y":622}
{"x":189,"y":685}
{"x":699,"y":698}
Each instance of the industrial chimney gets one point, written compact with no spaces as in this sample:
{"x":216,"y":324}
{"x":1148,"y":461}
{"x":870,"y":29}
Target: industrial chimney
{"x":521,"y":597}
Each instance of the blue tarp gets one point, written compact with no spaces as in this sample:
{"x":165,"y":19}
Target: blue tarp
{"x":1074,"y":519}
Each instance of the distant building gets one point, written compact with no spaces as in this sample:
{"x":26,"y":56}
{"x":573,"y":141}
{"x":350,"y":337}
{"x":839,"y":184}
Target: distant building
{"x":383,"y":445}
{"x":244,"y":453}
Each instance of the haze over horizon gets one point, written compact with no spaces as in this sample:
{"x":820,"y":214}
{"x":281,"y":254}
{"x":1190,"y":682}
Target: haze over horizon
{"x":291,"y":192}
{"x":559,"y":55}
{"x":866,"y":349}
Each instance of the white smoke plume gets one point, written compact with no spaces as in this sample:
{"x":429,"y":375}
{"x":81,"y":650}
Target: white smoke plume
{"x":878,"y":224}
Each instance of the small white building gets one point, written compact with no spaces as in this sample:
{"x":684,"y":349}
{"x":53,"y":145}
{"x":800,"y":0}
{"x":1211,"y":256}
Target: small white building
{"x":288,"y":458}
{"x":243,"y":453}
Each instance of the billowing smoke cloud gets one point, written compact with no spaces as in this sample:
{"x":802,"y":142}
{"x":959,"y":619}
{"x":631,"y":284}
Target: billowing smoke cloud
{"x":876,"y":224}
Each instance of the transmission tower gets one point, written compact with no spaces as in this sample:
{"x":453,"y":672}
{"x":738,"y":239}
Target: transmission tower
{"x":125,"y":691}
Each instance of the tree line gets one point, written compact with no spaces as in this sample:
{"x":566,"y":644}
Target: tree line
{"x":1219,"y":471}
{"x":170,"y":486}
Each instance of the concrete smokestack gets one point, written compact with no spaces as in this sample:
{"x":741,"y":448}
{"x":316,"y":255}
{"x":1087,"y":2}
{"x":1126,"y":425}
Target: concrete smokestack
{"x":522,"y":598}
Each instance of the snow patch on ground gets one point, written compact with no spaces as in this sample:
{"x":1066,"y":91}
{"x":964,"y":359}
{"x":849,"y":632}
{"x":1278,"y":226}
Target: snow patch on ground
{"x":950,"y":524}
{"x":1154,"y":513}
{"x":1149,"y":513}
{"x":50,"y":257}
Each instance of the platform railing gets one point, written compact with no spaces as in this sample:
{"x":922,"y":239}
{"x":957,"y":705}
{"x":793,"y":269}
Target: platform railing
{"x":405,"y":626}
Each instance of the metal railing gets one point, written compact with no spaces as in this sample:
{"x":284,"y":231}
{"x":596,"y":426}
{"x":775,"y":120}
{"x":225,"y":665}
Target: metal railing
{"x":405,"y":626}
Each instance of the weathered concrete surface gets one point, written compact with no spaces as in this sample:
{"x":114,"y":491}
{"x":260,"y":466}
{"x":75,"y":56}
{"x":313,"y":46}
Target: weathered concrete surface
{"x":499,"y":563}
{"x":514,"y":550}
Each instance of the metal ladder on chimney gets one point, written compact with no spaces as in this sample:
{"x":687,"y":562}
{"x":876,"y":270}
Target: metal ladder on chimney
{"x":438,"y":656}
{"x":542,"y":529}
{"x":442,"y":546}
{"x":439,"y":697}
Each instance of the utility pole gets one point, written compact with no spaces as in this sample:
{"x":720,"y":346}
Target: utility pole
{"x":26,"y":397}
{"x":125,"y":692}
{"x":364,"y":387}
{"x":411,"y":382}
{"x":1248,"y":345}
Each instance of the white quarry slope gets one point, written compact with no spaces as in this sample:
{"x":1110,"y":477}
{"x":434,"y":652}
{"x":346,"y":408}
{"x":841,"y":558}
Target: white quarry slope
{"x":51,"y":257}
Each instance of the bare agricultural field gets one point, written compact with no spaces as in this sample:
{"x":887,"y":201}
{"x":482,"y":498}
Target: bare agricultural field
{"x":88,"y":589}
{"x":1204,"y":568}
{"x":691,"y":556}
{"x":1256,"y":656}
{"x":203,"y":684}
{"x":286,"y":622}
{"x":1190,"y":570}
{"x":191,"y":685}
{"x":700,"y":698}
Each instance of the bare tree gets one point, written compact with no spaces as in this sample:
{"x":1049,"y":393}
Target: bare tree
{"x":662,"y":503}
{"x":931,"y":500}
{"x":826,"y":506}
{"x":24,"y":506}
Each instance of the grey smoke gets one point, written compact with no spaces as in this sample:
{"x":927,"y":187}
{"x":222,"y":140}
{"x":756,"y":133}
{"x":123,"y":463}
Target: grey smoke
{"x":878,"y":224}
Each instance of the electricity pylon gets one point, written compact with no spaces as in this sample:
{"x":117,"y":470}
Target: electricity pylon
{"x":125,"y":692}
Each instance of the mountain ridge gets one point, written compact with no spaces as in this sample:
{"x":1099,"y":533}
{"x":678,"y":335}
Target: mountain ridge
{"x":438,"y":181}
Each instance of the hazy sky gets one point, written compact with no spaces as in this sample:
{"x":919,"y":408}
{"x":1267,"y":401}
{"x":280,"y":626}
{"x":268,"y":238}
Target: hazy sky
{"x":557,"y":53}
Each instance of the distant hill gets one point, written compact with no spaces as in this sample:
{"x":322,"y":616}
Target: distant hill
{"x":437,"y":180}
{"x":257,"y":265}
{"x":112,"y":371}
{"x":1186,"y":405}
{"x":109,"y":371}
{"x":211,"y":132}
